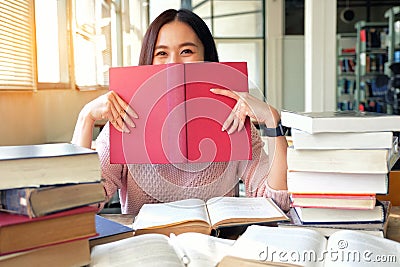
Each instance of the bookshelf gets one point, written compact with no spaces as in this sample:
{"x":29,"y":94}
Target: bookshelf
{"x":393,"y":17}
{"x":346,"y":66}
{"x":371,"y":56}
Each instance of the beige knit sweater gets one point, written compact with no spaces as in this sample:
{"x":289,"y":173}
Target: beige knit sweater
{"x":151,"y":183}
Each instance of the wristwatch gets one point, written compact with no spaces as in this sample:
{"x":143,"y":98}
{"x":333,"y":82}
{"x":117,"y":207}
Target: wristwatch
{"x":280,"y":130}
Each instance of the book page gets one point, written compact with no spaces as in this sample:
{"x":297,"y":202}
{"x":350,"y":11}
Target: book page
{"x":144,"y":250}
{"x":351,"y":248}
{"x":204,"y":250}
{"x":291,"y":245}
{"x":237,"y":208}
{"x":232,"y":261}
{"x":166,"y":214}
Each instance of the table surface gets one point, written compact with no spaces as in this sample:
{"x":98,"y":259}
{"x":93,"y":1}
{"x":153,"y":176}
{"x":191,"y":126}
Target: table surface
{"x":393,"y":231}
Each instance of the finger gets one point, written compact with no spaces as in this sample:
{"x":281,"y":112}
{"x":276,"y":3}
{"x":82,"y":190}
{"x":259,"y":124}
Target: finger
{"x":241,"y":125}
{"x":230,"y":119}
{"x":234,"y":126}
{"x":126,"y":107}
{"x":117,"y":120}
{"x":242,"y":119}
{"x":118,"y":112}
{"x":127,"y":118}
{"x":225,"y":92}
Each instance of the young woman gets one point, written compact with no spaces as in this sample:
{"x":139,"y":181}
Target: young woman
{"x":179,"y":37}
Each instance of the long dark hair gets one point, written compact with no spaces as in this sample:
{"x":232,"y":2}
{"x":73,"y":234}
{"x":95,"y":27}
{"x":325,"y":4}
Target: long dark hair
{"x":183,"y":15}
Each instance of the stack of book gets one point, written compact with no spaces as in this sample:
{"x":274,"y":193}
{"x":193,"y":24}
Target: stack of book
{"x":338,"y":163}
{"x":48,"y":195}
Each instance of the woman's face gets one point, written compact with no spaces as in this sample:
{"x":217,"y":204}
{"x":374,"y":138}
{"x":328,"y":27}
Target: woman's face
{"x":177,"y":43}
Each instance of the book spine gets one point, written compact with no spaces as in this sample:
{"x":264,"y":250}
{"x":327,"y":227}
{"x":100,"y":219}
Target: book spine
{"x":16,"y":201}
{"x":175,"y":138}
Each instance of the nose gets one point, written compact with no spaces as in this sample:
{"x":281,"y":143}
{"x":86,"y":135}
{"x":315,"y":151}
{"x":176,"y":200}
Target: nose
{"x":174,"y":58}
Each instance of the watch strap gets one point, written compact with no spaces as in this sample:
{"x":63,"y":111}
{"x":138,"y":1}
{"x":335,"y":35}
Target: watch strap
{"x":280,"y":130}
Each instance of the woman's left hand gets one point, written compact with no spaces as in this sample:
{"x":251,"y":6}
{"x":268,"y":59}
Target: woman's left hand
{"x":246,"y":105}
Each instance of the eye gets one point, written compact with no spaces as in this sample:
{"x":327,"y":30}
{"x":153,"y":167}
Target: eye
{"x":187,"y":51}
{"x":160,"y":53}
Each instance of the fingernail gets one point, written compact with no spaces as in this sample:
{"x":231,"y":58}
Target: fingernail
{"x":212,"y":89}
{"x":126,"y":129}
{"x":132,"y":124}
{"x":222,"y":129}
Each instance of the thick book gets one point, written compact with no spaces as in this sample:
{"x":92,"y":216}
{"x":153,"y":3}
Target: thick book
{"x":306,"y":182}
{"x":340,"y":121}
{"x":71,"y":253}
{"x":180,"y":120}
{"x":346,"y":140}
{"x":195,"y":215}
{"x":341,"y":160}
{"x":307,"y":247}
{"x":327,"y":229}
{"x":186,"y":249}
{"x":109,"y":231}
{"x":323,"y":215}
{"x":47,"y":164}
{"x":36,"y":202}
{"x":20,"y":233}
{"x":333,"y":201}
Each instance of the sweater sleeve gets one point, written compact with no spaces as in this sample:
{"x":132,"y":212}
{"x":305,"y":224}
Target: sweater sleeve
{"x":255,"y":173}
{"x":111,"y":173}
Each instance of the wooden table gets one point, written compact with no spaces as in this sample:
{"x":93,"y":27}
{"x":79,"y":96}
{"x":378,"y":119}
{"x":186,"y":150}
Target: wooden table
{"x":393,"y":231}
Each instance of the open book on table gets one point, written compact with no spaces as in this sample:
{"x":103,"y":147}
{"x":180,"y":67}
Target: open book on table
{"x":195,"y":215}
{"x":307,"y":247}
{"x":160,"y":250}
{"x":187,"y":249}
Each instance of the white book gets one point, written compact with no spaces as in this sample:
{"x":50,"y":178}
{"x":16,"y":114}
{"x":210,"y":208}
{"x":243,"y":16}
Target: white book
{"x":306,"y":247}
{"x":187,"y":249}
{"x":340,"y":160}
{"x":347,"y":140}
{"x":322,"y":215}
{"x":340,"y":121}
{"x":336,"y":183}
{"x":47,"y":164}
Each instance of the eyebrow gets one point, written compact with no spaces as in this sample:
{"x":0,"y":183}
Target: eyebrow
{"x":181,"y":45}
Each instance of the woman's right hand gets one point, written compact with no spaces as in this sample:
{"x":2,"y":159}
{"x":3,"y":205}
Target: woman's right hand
{"x":110,"y":106}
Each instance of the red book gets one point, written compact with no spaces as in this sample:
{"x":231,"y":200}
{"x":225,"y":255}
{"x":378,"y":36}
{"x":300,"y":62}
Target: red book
{"x":363,"y":35}
{"x":180,"y":120}
{"x":20,"y":233}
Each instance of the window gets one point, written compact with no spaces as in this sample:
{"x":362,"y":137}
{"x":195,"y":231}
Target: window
{"x":17,"y":61}
{"x":52,"y":43}
{"x":92,"y":42}
{"x":238,"y":26}
{"x":57,"y":43}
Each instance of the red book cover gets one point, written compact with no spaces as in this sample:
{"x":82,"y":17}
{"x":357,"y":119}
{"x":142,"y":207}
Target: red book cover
{"x":21,"y":233}
{"x":180,"y":120}
{"x":7,"y":219}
